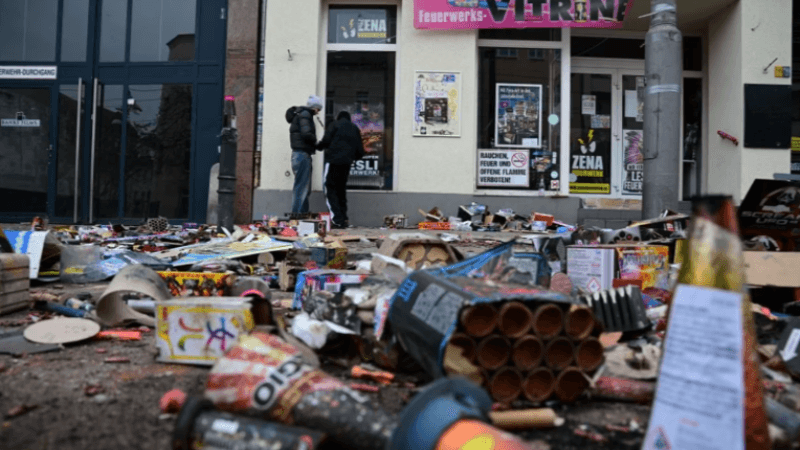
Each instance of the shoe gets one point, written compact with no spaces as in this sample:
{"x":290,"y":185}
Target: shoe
{"x":336,"y":226}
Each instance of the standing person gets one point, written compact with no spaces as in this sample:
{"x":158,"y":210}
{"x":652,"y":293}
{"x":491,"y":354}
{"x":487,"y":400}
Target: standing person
{"x":343,"y":145}
{"x":303,"y":140}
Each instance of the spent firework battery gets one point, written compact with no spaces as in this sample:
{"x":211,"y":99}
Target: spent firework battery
{"x":425,"y":309}
{"x":263,"y":374}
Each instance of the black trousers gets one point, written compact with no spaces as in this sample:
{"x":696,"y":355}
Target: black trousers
{"x":335,"y":176}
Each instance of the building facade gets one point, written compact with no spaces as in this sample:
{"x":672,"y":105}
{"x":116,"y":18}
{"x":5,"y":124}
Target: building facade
{"x":462,"y":101}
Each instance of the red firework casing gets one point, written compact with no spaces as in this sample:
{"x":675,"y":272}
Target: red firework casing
{"x":263,"y":373}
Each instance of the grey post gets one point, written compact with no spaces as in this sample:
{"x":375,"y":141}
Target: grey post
{"x":662,"y":107}
{"x":227,"y":166}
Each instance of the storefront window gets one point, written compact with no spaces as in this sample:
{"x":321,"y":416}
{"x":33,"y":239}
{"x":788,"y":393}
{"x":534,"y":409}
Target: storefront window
{"x":28,"y":30}
{"x":362,"y":83}
{"x":519,"y":106}
{"x":795,"y":88}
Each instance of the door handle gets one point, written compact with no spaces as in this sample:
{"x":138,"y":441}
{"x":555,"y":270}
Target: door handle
{"x":78,"y":122}
{"x":95,"y":97}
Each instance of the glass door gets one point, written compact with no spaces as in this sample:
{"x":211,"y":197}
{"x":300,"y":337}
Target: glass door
{"x":25,"y":140}
{"x":606,"y":132}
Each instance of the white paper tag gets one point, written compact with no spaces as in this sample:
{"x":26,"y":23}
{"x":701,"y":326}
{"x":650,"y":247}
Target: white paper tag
{"x":699,"y":400}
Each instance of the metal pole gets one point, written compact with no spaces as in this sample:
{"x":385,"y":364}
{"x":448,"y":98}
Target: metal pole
{"x":227,"y":165}
{"x":662,"y":106}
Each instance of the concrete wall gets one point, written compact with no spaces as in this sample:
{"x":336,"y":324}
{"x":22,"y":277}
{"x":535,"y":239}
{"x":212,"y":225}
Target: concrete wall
{"x":743,"y":39}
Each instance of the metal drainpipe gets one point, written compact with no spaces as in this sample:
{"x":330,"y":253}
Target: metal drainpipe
{"x":227,"y":165}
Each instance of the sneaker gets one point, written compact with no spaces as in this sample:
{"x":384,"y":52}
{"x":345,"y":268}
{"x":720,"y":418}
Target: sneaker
{"x":336,"y":226}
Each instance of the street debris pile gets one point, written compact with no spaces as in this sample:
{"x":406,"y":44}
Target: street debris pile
{"x":302,"y":333}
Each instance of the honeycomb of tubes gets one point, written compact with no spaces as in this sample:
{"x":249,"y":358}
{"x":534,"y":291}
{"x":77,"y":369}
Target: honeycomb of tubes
{"x":533,"y":351}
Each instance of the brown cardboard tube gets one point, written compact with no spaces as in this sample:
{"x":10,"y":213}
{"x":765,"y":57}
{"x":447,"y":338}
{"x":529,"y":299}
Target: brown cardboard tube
{"x":622,"y":389}
{"x":505,"y":385}
{"x":514,"y":319}
{"x":570,"y":384}
{"x":559,"y":353}
{"x":589,"y":354}
{"x":467,"y":345}
{"x":538,"y":386}
{"x":494,"y":352}
{"x":547,"y":321}
{"x":579,"y":323}
{"x":527,"y":352}
{"x":479,"y":320}
{"x":524,"y":419}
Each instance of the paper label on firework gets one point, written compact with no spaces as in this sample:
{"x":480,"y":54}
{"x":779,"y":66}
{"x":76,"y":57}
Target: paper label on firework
{"x":700,"y":394}
{"x":197,"y":284}
{"x":264,"y":373}
{"x":200,"y":330}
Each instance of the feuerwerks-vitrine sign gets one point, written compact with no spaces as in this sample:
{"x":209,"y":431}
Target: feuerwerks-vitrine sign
{"x":471,"y":14}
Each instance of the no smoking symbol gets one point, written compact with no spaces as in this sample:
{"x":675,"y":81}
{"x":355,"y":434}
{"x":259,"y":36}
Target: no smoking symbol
{"x":519,"y":160}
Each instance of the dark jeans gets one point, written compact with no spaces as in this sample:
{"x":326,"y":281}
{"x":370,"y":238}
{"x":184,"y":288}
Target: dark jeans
{"x":336,"y":191}
{"x":301,"y":167}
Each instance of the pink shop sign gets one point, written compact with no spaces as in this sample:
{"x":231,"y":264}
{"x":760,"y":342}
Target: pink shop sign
{"x":474,"y":14}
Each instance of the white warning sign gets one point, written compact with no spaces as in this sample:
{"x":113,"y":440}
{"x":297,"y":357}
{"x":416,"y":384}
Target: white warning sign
{"x":504,"y":168}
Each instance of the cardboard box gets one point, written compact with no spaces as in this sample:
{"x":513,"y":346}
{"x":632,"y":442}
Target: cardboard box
{"x":329,"y":257}
{"x":594,"y":268}
{"x":198,"y":284}
{"x":334,"y":281}
{"x":14,"y":282}
{"x":200,"y":330}
{"x":780,"y":269}
{"x":308,"y":227}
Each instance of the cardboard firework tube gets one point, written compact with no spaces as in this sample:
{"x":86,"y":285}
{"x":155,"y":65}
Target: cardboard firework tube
{"x":505,"y":385}
{"x":538,"y":386}
{"x":527,"y":352}
{"x":465,"y":343}
{"x":525,"y":419}
{"x":264,"y":375}
{"x":494,"y":352}
{"x":514,"y":319}
{"x":559,"y":353}
{"x":199,"y":425}
{"x":479,"y":320}
{"x":623,"y":389}
{"x":589,"y":354}
{"x":579,"y":323}
{"x":548,"y":321}
{"x":570,"y":384}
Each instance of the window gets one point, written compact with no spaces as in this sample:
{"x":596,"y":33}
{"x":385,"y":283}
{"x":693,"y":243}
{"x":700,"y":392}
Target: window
{"x":519,"y":104}
{"x":365,"y":25}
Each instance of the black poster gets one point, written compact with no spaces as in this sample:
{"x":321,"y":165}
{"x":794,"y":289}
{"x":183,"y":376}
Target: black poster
{"x":590,"y":163}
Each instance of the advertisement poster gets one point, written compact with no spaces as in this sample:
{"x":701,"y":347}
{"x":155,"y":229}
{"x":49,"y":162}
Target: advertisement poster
{"x":369,"y":118}
{"x":503,"y":168}
{"x":633,"y":170}
{"x":437,"y":96}
{"x":477,"y":14}
{"x":519,"y":115}
{"x":590,"y":163}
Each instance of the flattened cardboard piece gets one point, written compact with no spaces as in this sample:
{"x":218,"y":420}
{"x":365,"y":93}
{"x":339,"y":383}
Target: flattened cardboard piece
{"x":415,"y":250}
{"x":789,"y":343}
{"x":61,"y":330}
{"x":112,"y":310}
{"x":16,"y":344}
{"x":772,"y":208}
{"x":29,"y":243}
{"x":781,"y":269}
{"x":200,"y":330}
{"x":224,"y":249}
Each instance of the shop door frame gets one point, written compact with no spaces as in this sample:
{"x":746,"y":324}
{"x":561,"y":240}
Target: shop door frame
{"x":616,"y":69}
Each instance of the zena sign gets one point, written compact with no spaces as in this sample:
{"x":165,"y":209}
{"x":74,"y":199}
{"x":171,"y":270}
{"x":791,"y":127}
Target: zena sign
{"x":472,"y":14}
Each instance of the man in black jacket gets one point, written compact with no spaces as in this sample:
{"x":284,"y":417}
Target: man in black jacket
{"x":343,"y":143}
{"x":303,"y":139}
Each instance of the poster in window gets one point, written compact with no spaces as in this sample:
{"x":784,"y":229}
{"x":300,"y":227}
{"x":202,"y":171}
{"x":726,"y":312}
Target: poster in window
{"x":360,"y":26}
{"x":368,"y":116}
{"x":633,"y":170}
{"x":437,"y":99}
{"x":590,"y":163}
{"x":519,"y":115}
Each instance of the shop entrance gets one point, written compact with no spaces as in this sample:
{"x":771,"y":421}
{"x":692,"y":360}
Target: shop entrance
{"x":110,"y":109}
{"x":606,"y":131}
